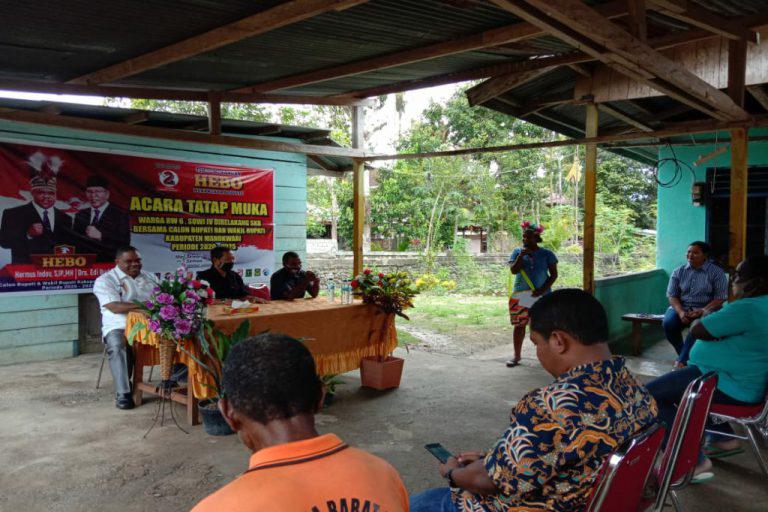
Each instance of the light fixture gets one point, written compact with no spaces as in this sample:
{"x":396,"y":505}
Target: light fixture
{"x":698,"y":193}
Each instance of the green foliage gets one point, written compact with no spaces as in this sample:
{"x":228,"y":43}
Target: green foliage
{"x":393,"y":292}
{"x":331,"y":382}
{"x":626,"y":184}
{"x":315,"y":228}
{"x":215,"y":347}
{"x":561,"y":226}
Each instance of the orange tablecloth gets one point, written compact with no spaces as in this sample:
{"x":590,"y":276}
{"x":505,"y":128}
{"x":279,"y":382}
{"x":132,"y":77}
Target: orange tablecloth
{"x":338,"y":336}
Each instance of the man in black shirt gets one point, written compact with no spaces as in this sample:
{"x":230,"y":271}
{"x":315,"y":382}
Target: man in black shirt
{"x":290,"y":282}
{"x":226,"y":283}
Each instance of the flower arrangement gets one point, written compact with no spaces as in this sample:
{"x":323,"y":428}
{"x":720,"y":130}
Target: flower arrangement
{"x":393,"y":292}
{"x":528,"y":225}
{"x":176,"y":308}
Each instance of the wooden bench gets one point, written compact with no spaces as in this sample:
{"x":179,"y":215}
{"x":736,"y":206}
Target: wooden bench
{"x":638,"y":319}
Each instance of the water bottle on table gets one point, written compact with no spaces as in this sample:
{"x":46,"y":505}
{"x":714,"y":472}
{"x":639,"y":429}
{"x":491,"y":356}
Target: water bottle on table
{"x":346,"y":294}
{"x":331,"y":289}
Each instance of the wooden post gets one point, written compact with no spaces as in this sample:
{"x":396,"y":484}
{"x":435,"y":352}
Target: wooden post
{"x":358,"y":189}
{"x":637,"y":23}
{"x":590,"y":201}
{"x":737,"y":224}
{"x":214,"y":113}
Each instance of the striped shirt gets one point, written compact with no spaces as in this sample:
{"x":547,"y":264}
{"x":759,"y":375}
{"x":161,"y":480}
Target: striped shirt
{"x":697,"y":287}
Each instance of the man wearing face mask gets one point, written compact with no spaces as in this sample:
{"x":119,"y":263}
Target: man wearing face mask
{"x":225,"y":282}
{"x":291,"y":282}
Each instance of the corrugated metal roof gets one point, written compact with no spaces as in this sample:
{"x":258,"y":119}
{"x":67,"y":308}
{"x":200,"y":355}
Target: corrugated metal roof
{"x":54,"y":41}
{"x":191,"y":122}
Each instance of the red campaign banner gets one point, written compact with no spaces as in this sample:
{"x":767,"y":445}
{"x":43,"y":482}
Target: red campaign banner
{"x":66,"y":211}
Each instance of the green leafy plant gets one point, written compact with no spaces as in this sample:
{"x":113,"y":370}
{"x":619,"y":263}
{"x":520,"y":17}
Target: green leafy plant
{"x":393,"y":292}
{"x":215,"y":346}
{"x":331,"y":382}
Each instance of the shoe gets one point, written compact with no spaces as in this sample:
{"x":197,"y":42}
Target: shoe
{"x":124,"y":401}
{"x":703,"y":472}
{"x":513,"y":362}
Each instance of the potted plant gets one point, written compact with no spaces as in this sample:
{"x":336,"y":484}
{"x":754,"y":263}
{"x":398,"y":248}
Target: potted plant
{"x":215,"y":346}
{"x":330,"y":383}
{"x":392,"y":293}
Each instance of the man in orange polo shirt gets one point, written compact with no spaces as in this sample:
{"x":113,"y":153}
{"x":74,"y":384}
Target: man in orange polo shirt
{"x":272,"y":393}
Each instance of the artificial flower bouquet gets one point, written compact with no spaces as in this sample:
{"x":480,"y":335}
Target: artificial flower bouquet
{"x":393,"y":292}
{"x":176,"y":308}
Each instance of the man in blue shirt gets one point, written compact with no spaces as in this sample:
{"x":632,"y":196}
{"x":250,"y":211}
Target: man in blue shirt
{"x":732,"y":343}
{"x":534,"y":268}
{"x":693,"y":288}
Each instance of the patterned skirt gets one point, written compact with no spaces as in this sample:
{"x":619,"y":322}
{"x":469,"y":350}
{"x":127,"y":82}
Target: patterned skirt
{"x":518,"y":315}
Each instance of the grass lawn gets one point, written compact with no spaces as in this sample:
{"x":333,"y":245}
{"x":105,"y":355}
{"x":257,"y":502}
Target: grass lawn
{"x":458,"y":314}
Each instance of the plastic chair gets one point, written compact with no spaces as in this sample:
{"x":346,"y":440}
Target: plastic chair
{"x":684,"y":444}
{"x":261,"y":291}
{"x":754,"y":419}
{"x":622,"y":479}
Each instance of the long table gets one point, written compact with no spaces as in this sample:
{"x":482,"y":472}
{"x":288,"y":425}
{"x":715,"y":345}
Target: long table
{"x":337,"y":335}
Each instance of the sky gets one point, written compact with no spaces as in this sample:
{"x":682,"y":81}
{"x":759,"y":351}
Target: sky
{"x":382,"y":140}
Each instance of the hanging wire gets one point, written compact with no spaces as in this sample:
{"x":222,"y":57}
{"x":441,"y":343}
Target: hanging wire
{"x":678,"y":169}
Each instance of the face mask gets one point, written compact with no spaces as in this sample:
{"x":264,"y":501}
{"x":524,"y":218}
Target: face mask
{"x":226,"y":267}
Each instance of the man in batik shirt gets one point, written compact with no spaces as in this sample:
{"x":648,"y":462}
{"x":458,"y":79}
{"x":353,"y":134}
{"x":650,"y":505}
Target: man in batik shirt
{"x":559,"y":435}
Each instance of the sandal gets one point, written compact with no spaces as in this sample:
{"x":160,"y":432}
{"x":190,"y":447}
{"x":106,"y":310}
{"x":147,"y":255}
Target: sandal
{"x":703,"y":472}
{"x":512,"y":363}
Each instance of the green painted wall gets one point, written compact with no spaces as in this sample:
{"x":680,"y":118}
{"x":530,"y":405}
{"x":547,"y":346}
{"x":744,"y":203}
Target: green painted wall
{"x":46,"y":327}
{"x":679,"y":222}
{"x":643,"y":292}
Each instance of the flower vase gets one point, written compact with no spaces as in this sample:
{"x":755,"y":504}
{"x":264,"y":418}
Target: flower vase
{"x":167,"y":351}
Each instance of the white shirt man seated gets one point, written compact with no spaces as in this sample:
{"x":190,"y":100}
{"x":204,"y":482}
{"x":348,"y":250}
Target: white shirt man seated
{"x":117,"y":290}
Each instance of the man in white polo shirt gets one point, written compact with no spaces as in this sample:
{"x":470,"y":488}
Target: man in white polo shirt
{"x":117,"y":290}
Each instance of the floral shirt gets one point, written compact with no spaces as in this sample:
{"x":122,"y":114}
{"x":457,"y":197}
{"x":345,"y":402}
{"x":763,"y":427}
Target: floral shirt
{"x":559,"y":436}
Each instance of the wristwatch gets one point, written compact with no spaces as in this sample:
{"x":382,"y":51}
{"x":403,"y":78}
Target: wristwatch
{"x":449,"y":477}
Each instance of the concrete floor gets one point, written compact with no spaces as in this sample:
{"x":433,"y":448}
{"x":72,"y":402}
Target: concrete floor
{"x":65,"y":447}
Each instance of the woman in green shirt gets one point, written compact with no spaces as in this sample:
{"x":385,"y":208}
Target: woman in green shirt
{"x":731,"y":343}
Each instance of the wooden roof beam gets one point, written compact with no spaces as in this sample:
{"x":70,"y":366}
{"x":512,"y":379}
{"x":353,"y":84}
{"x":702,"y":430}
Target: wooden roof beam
{"x":693,"y":14}
{"x":135,"y":118}
{"x":659,"y":43}
{"x":583,"y":27}
{"x":498,"y":85}
{"x":637,"y":22}
{"x":686,"y":128}
{"x":96,"y":125}
{"x":494,"y":37}
{"x":625,"y":118}
{"x":172,"y":94}
{"x":315,"y":135}
{"x":279,"y":16}
{"x":50,"y":108}
{"x":270,"y":129}
{"x":759,"y":94}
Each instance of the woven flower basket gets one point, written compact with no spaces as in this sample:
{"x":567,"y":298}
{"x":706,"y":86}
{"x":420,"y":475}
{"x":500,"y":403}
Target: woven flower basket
{"x":167,"y":352}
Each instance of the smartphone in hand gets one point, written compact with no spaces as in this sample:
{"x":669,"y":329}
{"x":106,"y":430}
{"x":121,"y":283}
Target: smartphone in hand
{"x":438,"y":451}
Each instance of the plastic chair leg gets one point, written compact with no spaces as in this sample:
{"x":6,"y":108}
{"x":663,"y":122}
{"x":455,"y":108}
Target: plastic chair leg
{"x":756,"y":449}
{"x":101,"y":368}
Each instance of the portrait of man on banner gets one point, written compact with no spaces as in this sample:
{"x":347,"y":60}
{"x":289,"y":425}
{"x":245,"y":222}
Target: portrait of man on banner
{"x":37,"y":227}
{"x":101,"y":227}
